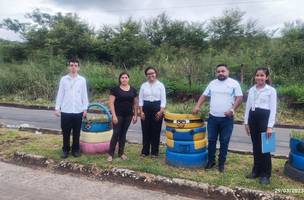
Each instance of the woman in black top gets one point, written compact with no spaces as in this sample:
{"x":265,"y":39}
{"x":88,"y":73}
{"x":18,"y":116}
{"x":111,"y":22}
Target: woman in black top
{"x":123,"y":105}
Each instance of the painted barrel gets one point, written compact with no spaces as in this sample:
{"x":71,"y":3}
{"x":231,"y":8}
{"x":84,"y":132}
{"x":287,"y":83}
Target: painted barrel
{"x":90,"y":137}
{"x":297,"y":146}
{"x":186,"y":160}
{"x":293,"y":173}
{"x":186,"y":134}
{"x":296,"y":161}
{"x":95,"y":126}
{"x":183,"y":121}
{"x":187,"y":147}
{"x":93,"y":148}
{"x":98,"y":119}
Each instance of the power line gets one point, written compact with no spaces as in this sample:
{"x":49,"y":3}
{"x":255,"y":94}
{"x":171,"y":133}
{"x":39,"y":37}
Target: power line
{"x":194,"y":6}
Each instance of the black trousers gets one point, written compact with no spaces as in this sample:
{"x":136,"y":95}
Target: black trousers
{"x":71,"y":122}
{"x":119,"y":135}
{"x":258,"y":121}
{"x":151,"y":128}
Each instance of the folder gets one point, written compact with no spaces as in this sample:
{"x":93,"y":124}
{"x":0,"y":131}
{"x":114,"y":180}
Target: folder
{"x":268,"y":144}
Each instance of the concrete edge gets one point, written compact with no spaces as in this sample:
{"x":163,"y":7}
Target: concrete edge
{"x":58,"y":132}
{"x":42,"y":107}
{"x":145,"y":180}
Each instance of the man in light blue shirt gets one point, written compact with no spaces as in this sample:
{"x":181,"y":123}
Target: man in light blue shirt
{"x":225,"y":96}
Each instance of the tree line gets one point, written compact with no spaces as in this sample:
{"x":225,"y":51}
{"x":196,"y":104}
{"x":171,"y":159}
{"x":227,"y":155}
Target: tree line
{"x":183,"y":51}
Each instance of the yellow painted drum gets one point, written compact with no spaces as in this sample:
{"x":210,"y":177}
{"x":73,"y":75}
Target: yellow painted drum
{"x":186,"y":134}
{"x":183,"y":121}
{"x":91,"y":137}
{"x":187,"y":147}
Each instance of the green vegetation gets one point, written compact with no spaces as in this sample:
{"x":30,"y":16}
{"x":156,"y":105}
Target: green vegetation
{"x":185,"y":54}
{"x":237,"y":165}
{"x":297,"y":135}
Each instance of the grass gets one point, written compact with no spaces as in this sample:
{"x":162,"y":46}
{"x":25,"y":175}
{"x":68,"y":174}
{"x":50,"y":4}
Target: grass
{"x":297,"y":135}
{"x":237,"y":165}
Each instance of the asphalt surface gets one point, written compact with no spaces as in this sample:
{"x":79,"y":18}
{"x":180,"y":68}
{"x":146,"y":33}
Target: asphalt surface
{"x":46,"y":119}
{"x":21,"y":183}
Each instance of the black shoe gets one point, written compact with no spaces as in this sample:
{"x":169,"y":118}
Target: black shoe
{"x":264,"y":180}
{"x":252,"y":175}
{"x":154,"y":156}
{"x":64,"y":154}
{"x":143,"y":155}
{"x":209,"y":165}
{"x":221,"y":168}
{"x":76,"y":154}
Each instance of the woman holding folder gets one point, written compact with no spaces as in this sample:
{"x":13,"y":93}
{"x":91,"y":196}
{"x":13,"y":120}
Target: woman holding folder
{"x":260,"y":117}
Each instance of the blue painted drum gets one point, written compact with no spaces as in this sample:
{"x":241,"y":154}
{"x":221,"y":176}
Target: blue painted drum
{"x":297,"y":146}
{"x":296,"y":161}
{"x":98,"y":119}
{"x":186,"y":134}
{"x":189,"y":147}
{"x":186,"y":160}
{"x":95,"y":126}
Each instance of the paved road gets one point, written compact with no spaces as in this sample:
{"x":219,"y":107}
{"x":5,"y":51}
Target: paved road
{"x":46,"y":119}
{"x":20,"y":183}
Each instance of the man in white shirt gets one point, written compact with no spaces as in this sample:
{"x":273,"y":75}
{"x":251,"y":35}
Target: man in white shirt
{"x":225,"y":96}
{"x":71,"y":105}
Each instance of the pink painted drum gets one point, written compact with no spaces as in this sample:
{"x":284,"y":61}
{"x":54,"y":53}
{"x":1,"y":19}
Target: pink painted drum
{"x":93,"y":148}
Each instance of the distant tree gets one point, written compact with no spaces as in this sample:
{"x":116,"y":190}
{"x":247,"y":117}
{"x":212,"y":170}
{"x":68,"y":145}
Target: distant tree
{"x":180,"y":34}
{"x":126,"y":44}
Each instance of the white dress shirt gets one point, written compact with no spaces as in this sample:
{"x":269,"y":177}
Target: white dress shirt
{"x":264,"y":98}
{"x":72,"y":95}
{"x":152,"y":92}
{"x":222,"y":95}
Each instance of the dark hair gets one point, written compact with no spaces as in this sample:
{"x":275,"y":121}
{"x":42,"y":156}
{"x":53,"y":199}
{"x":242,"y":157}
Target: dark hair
{"x":148,"y":68}
{"x":222,"y":65}
{"x":121,"y":74}
{"x":73,"y":60}
{"x":266,"y":71}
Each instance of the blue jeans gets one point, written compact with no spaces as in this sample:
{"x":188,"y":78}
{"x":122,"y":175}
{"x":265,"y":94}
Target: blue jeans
{"x":222,"y":127}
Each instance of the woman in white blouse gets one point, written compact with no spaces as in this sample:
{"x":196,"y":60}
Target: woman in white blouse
{"x":260,"y":117}
{"x":152,"y":102}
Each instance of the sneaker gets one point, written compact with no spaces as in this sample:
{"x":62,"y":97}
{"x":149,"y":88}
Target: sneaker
{"x":264,"y":180}
{"x":110,"y":158}
{"x":123,"y":157}
{"x":64,"y":154}
{"x":210,"y":165}
{"x":76,"y":154}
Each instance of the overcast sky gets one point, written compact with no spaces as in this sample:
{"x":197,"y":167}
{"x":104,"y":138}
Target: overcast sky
{"x":271,"y":14}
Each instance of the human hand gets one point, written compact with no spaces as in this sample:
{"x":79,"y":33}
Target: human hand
{"x":269,"y":132}
{"x":134,"y":119}
{"x":114,"y":119}
{"x":247,"y":129}
{"x":195,"y":110}
{"x":57,"y":113}
{"x":84,"y":114}
{"x":158,"y":115}
{"x":142,"y":116}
